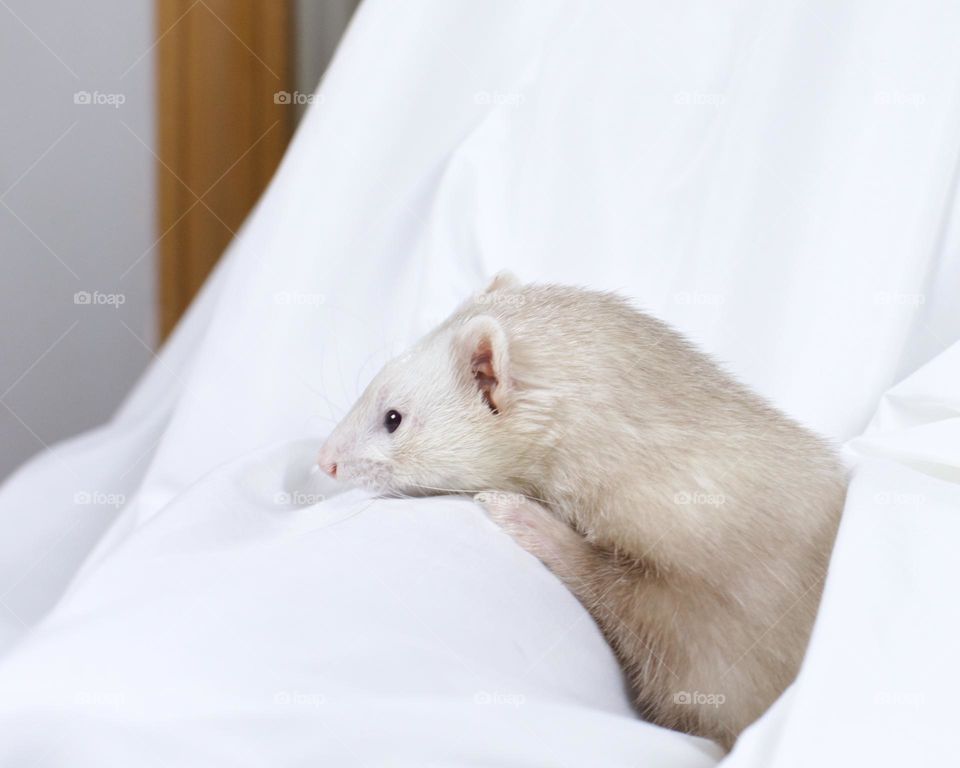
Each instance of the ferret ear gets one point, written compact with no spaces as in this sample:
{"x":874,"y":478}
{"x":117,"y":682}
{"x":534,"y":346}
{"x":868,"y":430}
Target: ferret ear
{"x":503,"y":281}
{"x":482,"y":349}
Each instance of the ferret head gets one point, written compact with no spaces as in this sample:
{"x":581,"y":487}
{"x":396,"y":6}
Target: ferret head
{"x":442,"y":417}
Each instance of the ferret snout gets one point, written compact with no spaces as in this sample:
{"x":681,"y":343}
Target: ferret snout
{"x":326,"y":462}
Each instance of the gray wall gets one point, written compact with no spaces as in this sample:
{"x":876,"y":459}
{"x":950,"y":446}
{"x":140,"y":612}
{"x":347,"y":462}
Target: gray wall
{"x":77,"y":206}
{"x":76,"y":215}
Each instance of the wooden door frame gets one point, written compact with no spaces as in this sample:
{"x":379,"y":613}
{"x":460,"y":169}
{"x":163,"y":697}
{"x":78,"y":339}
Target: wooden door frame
{"x":223,"y":125}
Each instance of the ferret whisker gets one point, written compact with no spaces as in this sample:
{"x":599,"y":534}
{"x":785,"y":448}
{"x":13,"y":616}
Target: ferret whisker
{"x":469,"y":492}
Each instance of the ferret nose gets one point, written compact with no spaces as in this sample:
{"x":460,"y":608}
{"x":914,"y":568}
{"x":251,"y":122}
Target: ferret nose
{"x":326,"y":463}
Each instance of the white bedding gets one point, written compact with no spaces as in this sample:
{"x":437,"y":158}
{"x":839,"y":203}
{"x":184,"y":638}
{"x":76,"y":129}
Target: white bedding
{"x":775,"y":180}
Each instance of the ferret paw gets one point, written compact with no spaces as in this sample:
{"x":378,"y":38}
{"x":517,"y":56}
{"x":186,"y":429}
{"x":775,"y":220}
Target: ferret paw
{"x":533,"y":527}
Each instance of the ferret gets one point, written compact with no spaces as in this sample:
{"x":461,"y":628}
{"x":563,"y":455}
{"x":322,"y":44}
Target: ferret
{"x":692,"y":519}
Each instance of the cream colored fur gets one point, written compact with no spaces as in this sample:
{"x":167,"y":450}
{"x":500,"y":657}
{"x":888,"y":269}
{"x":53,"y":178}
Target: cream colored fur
{"x":691,"y":518}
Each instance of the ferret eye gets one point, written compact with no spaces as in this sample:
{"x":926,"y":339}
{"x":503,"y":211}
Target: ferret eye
{"x":392,"y":420}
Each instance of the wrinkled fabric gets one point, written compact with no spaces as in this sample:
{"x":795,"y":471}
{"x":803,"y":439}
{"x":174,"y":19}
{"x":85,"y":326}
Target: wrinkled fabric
{"x":777,"y":181}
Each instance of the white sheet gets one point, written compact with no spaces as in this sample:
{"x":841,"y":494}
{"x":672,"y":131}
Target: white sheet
{"x":776,"y":181}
